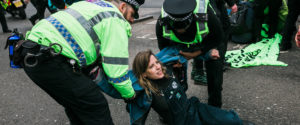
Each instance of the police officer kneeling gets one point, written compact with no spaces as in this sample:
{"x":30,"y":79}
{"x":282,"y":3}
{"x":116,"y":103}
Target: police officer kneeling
{"x":85,"y":33}
{"x":193,"y":26}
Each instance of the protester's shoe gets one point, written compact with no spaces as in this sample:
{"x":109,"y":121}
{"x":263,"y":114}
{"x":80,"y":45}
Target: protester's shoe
{"x":285,"y":47}
{"x":7,"y":31}
{"x":245,"y":122}
{"x":200,"y":79}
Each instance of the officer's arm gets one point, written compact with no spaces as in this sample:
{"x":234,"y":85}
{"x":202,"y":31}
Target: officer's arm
{"x":114,"y":52}
{"x":161,"y":41}
{"x":215,"y":35}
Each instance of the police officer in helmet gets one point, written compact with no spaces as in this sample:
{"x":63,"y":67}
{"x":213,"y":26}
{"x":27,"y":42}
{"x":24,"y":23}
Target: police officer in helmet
{"x":192,"y":26}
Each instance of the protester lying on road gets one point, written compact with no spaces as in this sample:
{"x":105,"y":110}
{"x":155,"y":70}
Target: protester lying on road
{"x":157,"y":87}
{"x":169,"y":99}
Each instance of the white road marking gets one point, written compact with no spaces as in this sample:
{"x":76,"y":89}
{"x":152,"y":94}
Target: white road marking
{"x":143,"y":37}
{"x":153,"y":38}
{"x":152,"y":22}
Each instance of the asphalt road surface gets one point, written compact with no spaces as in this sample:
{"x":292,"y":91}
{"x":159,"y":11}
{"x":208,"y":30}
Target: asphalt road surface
{"x":266,"y":95}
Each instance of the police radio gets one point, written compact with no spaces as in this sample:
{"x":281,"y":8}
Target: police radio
{"x":10,"y":44}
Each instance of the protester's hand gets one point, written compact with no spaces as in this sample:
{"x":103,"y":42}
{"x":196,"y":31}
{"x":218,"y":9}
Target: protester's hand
{"x":190,"y":55}
{"x":234,"y":8}
{"x":130,"y":100}
{"x":297,"y":38}
{"x":214,"y":53}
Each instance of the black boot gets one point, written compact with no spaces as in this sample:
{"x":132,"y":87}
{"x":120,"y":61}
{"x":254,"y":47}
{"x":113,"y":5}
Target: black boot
{"x":285,"y":46}
{"x":7,"y":31}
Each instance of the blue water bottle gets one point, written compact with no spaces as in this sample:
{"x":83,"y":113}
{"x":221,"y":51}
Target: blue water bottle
{"x":10,"y":43}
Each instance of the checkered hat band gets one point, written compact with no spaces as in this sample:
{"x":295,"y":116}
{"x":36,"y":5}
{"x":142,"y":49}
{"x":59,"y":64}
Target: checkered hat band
{"x":180,"y":19}
{"x":133,"y":2}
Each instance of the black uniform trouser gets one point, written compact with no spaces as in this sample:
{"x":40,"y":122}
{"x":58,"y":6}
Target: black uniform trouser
{"x":2,"y":19}
{"x":221,"y":12}
{"x":219,"y":6}
{"x":214,"y":71}
{"x":226,"y":27}
{"x":214,"y":68}
{"x":259,"y":17}
{"x":83,"y":102}
{"x":289,"y":27}
{"x":40,"y":6}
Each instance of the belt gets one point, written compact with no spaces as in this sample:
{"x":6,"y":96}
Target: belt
{"x":35,"y":53}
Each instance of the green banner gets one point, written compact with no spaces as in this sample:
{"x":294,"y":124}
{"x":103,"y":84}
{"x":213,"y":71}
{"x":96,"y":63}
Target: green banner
{"x":264,"y":52}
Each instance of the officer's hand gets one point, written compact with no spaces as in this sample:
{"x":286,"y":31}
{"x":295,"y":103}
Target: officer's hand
{"x":130,"y":100}
{"x":297,"y":38}
{"x":214,"y":53}
{"x":190,"y":55}
{"x":234,"y":8}
{"x":177,"y":65}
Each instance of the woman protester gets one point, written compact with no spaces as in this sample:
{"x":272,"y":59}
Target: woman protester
{"x":158,"y":88}
{"x":169,"y":99}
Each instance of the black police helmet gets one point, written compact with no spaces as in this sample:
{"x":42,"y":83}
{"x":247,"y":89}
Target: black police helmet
{"x":179,"y":7}
{"x":180,"y":12}
{"x":135,"y":5}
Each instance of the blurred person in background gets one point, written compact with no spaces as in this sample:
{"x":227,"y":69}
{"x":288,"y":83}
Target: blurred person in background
{"x":40,"y":6}
{"x":289,"y":27}
{"x":259,"y":17}
{"x":3,"y":19}
{"x":297,"y":37}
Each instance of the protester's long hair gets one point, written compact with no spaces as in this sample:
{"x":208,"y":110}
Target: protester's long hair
{"x":139,"y":67}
